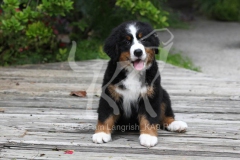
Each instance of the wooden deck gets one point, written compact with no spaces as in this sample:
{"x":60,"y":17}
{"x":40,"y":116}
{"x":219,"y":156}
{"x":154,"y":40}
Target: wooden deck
{"x":40,"y":120}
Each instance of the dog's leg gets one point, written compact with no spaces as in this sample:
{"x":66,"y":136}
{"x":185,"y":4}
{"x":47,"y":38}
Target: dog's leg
{"x":106,"y":116}
{"x":148,"y":132}
{"x":104,"y":129}
{"x":167,"y":119}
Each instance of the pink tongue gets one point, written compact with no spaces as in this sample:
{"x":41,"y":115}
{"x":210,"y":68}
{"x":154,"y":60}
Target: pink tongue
{"x":138,"y":65}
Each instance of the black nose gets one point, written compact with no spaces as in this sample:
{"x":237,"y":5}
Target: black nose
{"x":138,"y":52}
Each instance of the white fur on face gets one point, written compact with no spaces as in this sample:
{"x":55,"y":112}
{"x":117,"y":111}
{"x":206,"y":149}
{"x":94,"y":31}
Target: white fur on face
{"x":136,"y":44}
{"x":132,"y":82}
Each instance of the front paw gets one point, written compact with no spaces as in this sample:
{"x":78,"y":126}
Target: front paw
{"x":177,"y":126}
{"x":101,"y":137}
{"x":147,"y":140}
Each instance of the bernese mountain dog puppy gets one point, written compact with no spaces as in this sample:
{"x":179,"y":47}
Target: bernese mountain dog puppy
{"x":132,"y":94}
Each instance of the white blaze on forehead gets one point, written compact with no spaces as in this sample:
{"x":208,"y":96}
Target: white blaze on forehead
{"x":133,"y":31}
{"x":136,"y":44}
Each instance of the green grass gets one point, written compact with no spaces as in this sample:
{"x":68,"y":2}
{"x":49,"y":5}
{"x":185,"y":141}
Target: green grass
{"x":176,"y":59}
{"x":183,"y":62}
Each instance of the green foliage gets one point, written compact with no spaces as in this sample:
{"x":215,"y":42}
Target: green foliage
{"x":38,"y":30}
{"x":90,"y":49}
{"x":27,"y":34}
{"x":10,"y":5}
{"x":176,"y":59}
{"x":96,"y":18}
{"x":62,"y":55}
{"x":224,"y":10}
{"x":12,"y":25}
{"x":56,"y":7}
{"x":146,"y":9}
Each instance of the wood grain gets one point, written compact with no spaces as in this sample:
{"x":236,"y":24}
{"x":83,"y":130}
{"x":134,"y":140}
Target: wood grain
{"x":41,"y":120}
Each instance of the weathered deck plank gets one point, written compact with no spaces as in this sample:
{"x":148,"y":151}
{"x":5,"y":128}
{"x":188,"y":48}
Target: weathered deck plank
{"x":39,"y":120}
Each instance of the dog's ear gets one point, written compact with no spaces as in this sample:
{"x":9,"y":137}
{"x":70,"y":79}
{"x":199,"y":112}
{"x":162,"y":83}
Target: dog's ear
{"x":111,"y":46}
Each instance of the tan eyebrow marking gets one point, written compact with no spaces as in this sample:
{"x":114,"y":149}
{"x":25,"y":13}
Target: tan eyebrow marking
{"x":140,"y":35}
{"x":128,"y":38}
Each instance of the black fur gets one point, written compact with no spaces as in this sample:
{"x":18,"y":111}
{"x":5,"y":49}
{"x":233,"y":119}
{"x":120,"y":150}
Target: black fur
{"x":114,"y":46}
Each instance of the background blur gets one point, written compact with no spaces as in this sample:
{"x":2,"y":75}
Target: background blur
{"x":40,"y":31}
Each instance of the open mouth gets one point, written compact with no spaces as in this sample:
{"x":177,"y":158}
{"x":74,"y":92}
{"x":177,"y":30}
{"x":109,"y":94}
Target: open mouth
{"x":138,"y":64}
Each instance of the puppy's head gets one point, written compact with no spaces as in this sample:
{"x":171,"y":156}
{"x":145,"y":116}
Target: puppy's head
{"x":132,"y":44}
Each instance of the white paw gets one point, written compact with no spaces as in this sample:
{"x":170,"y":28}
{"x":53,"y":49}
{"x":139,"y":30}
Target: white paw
{"x":101,"y":137}
{"x":148,"y":140}
{"x":177,"y":126}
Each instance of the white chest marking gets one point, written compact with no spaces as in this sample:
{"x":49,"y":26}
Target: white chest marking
{"x":132,"y":92}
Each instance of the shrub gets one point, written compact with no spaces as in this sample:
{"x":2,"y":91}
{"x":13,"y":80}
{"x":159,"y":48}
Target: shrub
{"x":96,"y":18}
{"x":145,"y":9}
{"x":223,"y":10}
{"x":27,"y":30}
{"x":90,"y":49}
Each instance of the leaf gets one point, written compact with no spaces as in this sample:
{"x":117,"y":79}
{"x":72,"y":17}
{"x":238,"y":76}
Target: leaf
{"x":2,"y":110}
{"x":97,"y":95}
{"x":55,"y":149}
{"x":68,"y":152}
{"x":78,"y":93}
{"x":24,"y":134}
{"x":41,"y":155}
{"x":4,"y":22}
